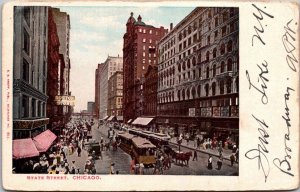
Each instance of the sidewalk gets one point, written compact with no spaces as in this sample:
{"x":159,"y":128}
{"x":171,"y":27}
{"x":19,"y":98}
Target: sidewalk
{"x":192,"y":145}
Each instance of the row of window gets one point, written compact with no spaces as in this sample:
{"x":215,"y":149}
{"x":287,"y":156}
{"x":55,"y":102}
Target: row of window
{"x":147,"y":31}
{"x":225,"y":87}
{"x":33,"y":108}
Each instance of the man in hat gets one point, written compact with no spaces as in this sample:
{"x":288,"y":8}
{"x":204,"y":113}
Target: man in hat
{"x":112,"y":168}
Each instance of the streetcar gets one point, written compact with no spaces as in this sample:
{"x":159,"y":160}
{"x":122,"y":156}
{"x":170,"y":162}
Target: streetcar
{"x":143,"y":151}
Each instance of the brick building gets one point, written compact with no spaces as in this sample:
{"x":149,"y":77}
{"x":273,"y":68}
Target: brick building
{"x":53,"y":77}
{"x":139,"y":51}
{"x":115,"y":94}
{"x":198,"y":74}
{"x":150,"y":93}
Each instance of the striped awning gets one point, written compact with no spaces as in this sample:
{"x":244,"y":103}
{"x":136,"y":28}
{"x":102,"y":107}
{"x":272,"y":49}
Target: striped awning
{"x":142,"y":121}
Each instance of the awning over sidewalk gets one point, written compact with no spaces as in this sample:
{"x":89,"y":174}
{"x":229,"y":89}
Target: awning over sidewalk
{"x":105,"y":118}
{"x":44,"y":140}
{"x":142,"y":121}
{"x":24,"y":148}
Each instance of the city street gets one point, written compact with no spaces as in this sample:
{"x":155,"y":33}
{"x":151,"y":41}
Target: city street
{"x":122,"y":161}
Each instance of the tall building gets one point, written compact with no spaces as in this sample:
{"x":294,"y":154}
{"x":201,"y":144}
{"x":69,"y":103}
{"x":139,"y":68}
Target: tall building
{"x":139,"y":51}
{"x":150,"y":87}
{"x":53,"y":77}
{"x":30,"y":71}
{"x":90,"y":107}
{"x":62,"y":21}
{"x":198,"y":74}
{"x":97,"y":89}
{"x":115,"y":94}
{"x":110,"y":66}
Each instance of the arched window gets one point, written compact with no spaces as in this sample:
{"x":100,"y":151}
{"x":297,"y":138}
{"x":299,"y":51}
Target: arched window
{"x":214,"y":70}
{"x":207,"y":72}
{"x":193,"y":93}
{"x":183,"y":66}
{"x":178,"y":95}
{"x":199,"y":90}
{"x":229,"y":65}
{"x":221,"y":87}
{"x":183,"y":94}
{"x":213,"y":87}
{"x":229,"y":46}
{"x":179,"y":67}
{"x":206,"y":90}
{"x":228,"y":85}
{"x":207,"y":55}
{"x":194,"y":61}
{"x":199,"y":58}
{"x":208,"y":39}
{"x":199,"y":70}
{"x":222,"y":49}
{"x":188,"y":94}
{"x":222,"y":67}
{"x":237,"y":84}
{"x":214,"y":52}
{"x":188,"y":64}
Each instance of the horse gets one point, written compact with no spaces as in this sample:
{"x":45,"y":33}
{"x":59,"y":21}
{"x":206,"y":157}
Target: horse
{"x":183,"y":157}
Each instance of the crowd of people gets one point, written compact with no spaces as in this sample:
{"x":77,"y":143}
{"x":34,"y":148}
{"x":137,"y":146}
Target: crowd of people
{"x":55,"y":160}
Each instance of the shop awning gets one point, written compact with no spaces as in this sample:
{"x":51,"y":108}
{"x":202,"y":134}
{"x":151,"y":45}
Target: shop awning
{"x":44,"y":140}
{"x":129,"y":121}
{"x":142,"y":121}
{"x":105,"y":118}
{"x":110,"y":118}
{"x":24,"y":148}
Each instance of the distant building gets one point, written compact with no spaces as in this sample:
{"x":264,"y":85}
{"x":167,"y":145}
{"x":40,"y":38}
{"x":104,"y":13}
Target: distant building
{"x":97,"y":89}
{"x":115,"y":94}
{"x":198,"y":74}
{"x":110,"y":66}
{"x":90,"y":107}
{"x":30,"y":71}
{"x":139,"y":52}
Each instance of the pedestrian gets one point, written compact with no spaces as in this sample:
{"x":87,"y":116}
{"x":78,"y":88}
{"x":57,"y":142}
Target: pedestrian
{"x":195,"y":155}
{"x":112,"y":169}
{"x":141,"y":168}
{"x":132,"y":164}
{"x":237,"y":155}
{"x":232,"y":159}
{"x":209,"y":163}
{"x":79,"y":151}
{"x":220,"y":162}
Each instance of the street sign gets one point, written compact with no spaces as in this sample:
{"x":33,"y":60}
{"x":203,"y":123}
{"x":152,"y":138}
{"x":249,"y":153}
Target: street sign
{"x":65,"y":100}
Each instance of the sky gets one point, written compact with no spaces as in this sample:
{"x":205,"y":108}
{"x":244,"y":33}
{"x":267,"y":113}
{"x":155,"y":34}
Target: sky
{"x":97,"y":32}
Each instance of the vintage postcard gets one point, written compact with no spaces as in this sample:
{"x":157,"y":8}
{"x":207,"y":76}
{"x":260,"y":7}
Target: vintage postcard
{"x":123,"y":96}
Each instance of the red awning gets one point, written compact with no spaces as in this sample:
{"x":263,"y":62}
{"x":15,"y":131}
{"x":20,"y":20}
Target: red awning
{"x":23,"y":148}
{"x":44,"y":140}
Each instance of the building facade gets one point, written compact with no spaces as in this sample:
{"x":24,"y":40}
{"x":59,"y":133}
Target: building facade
{"x":30,"y":71}
{"x":110,"y":66}
{"x":150,"y":87}
{"x":62,"y":21}
{"x":139,"y":51}
{"x":90,"y":107}
{"x":115,"y":94}
{"x":198,"y":74}
{"x":97,"y":90}
{"x":53,"y":77}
